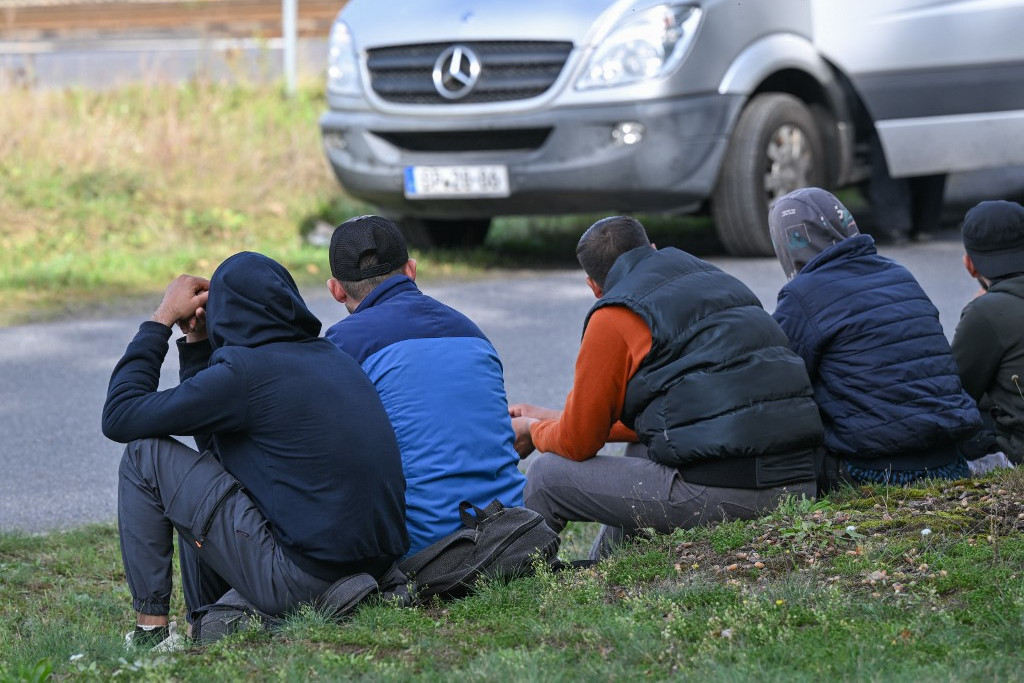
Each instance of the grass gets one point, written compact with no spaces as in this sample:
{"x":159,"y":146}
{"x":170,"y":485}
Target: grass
{"x":108,"y":195}
{"x":870,"y":584}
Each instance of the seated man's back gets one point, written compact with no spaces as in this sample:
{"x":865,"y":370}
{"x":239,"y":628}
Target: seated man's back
{"x":681,"y":357}
{"x":296,"y":482}
{"x":437,"y":374}
{"x":989,"y":342}
{"x":883,"y":374}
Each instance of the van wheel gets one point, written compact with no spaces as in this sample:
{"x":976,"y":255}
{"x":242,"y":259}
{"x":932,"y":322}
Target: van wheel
{"x":430,"y":233}
{"x":776,"y":148}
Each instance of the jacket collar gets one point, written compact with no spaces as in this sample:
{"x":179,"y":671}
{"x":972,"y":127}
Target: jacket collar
{"x":851,"y":247}
{"x":1009,"y":285}
{"x":625,"y":263}
{"x":393,"y":286}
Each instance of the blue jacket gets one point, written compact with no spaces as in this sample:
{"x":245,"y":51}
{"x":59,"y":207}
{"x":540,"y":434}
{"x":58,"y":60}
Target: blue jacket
{"x":882,"y":370}
{"x":442,"y":385}
{"x":293,"y":419}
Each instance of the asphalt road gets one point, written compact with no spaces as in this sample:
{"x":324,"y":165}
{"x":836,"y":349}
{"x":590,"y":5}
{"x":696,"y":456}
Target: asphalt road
{"x":58,"y":471}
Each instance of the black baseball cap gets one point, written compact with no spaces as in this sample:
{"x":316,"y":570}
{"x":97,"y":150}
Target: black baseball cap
{"x":362,"y":235}
{"x":993,"y":234}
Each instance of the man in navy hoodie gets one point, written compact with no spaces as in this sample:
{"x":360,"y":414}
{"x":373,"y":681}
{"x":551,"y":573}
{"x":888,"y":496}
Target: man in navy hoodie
{"x":297,"y":481}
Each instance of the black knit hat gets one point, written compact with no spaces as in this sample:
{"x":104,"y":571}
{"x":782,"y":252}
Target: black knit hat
{"x":362,"y":235}
{"x":993,"y":235}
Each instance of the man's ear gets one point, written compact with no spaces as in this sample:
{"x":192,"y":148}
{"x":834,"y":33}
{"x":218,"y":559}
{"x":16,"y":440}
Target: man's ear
{"x":409,"y":269}
{"x":337,"y":291}
{"x":595,"y":288}
{"x":969,"y":265}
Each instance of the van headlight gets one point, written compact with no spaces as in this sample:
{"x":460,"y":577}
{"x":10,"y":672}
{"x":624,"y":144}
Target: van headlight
{"x":649,"y":44}
{"x":342,"y":63}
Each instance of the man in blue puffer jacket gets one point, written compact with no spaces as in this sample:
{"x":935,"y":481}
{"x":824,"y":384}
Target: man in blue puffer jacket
{"x":437,"y":374}
{"x":884,"y":378}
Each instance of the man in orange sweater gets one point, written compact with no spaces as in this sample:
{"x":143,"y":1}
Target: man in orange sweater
{"x":679,"y":359}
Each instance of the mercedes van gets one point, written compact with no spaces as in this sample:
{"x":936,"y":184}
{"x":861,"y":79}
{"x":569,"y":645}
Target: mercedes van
{"x":451,"y":112}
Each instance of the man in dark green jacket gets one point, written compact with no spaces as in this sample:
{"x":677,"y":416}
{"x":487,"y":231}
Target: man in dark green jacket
{"x":989,"y":341}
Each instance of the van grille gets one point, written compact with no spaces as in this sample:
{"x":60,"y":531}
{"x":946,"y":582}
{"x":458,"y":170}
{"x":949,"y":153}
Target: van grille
{"x":508,"y":71}
{"x":469,"y":140}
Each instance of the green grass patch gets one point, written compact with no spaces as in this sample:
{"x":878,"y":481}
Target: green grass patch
{"x":857,"y":586}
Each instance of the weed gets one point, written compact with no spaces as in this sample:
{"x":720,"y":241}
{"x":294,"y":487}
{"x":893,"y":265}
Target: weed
{"x":730,"y":536}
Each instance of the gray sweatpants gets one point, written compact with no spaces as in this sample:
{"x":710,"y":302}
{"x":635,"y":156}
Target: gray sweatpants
{"x":225,"y":540}
{"x":630,"y":493}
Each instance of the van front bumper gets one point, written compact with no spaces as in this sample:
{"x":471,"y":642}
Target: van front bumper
{"x":579,"y":166}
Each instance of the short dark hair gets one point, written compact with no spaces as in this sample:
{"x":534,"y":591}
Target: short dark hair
{"x":360,"y":289}
{"x":607,"y":240}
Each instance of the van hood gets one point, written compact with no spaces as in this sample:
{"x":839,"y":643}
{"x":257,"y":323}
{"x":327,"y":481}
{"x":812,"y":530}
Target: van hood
{"x":380,"y":24}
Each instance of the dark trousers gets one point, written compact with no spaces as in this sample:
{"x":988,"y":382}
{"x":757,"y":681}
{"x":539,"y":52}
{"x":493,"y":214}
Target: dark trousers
{"x":225,"y":541}
{"x":630,"y":493}
{"x":903,"y":207}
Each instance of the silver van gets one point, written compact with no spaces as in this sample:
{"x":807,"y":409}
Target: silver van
{"x":450,"y":112}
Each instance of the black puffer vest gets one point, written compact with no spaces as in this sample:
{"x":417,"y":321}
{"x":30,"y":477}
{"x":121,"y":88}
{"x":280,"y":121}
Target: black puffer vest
{"x":720,"y":396}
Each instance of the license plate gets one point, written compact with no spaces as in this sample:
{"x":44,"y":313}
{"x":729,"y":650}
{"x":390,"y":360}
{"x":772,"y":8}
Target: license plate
{"x":456,"y":181}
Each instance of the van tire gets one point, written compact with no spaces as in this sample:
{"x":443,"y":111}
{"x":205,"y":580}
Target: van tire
{"x":752,"y":177}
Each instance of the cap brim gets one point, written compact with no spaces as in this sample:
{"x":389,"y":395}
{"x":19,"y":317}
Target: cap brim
{"x":998,"y":263}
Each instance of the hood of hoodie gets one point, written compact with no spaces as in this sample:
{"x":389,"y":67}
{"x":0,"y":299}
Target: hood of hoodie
{"x":254,"y":301}
{"x":805,"y":223}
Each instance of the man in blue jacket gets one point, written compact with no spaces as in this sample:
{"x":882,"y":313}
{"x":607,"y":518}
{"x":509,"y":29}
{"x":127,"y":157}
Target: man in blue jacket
{"x":438,"y":375}
{"x":297,"y":481}
{"x":883,"y":374}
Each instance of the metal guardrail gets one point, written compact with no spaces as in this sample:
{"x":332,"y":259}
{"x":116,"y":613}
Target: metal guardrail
{"x":35,"y":19}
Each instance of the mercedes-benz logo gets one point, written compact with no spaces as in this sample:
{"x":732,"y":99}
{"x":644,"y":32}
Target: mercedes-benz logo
{"x":456,"y":72}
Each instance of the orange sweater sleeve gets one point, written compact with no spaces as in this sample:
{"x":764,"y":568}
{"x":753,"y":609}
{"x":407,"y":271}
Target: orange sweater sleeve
{"x":614,"y":344}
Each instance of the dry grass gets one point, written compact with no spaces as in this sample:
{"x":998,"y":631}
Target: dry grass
{"x":192,"y":147}
{"x":113,"y":193}
{"x":108,"y":195}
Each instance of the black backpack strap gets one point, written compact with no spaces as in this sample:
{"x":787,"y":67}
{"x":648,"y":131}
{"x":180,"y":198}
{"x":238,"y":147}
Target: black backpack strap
{"x":480,"y":514}
{"x":394,"y":586}
{"x":345,"y":593}
{"x":230,"y":614}
{"x":412,"y":564}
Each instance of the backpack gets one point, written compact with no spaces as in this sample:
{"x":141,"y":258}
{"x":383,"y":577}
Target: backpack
{"x":494,"y":542}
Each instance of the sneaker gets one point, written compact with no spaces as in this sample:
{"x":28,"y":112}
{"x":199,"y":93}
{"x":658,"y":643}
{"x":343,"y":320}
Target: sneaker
{"x":992,"y":461}
{"x":158,"y":639}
